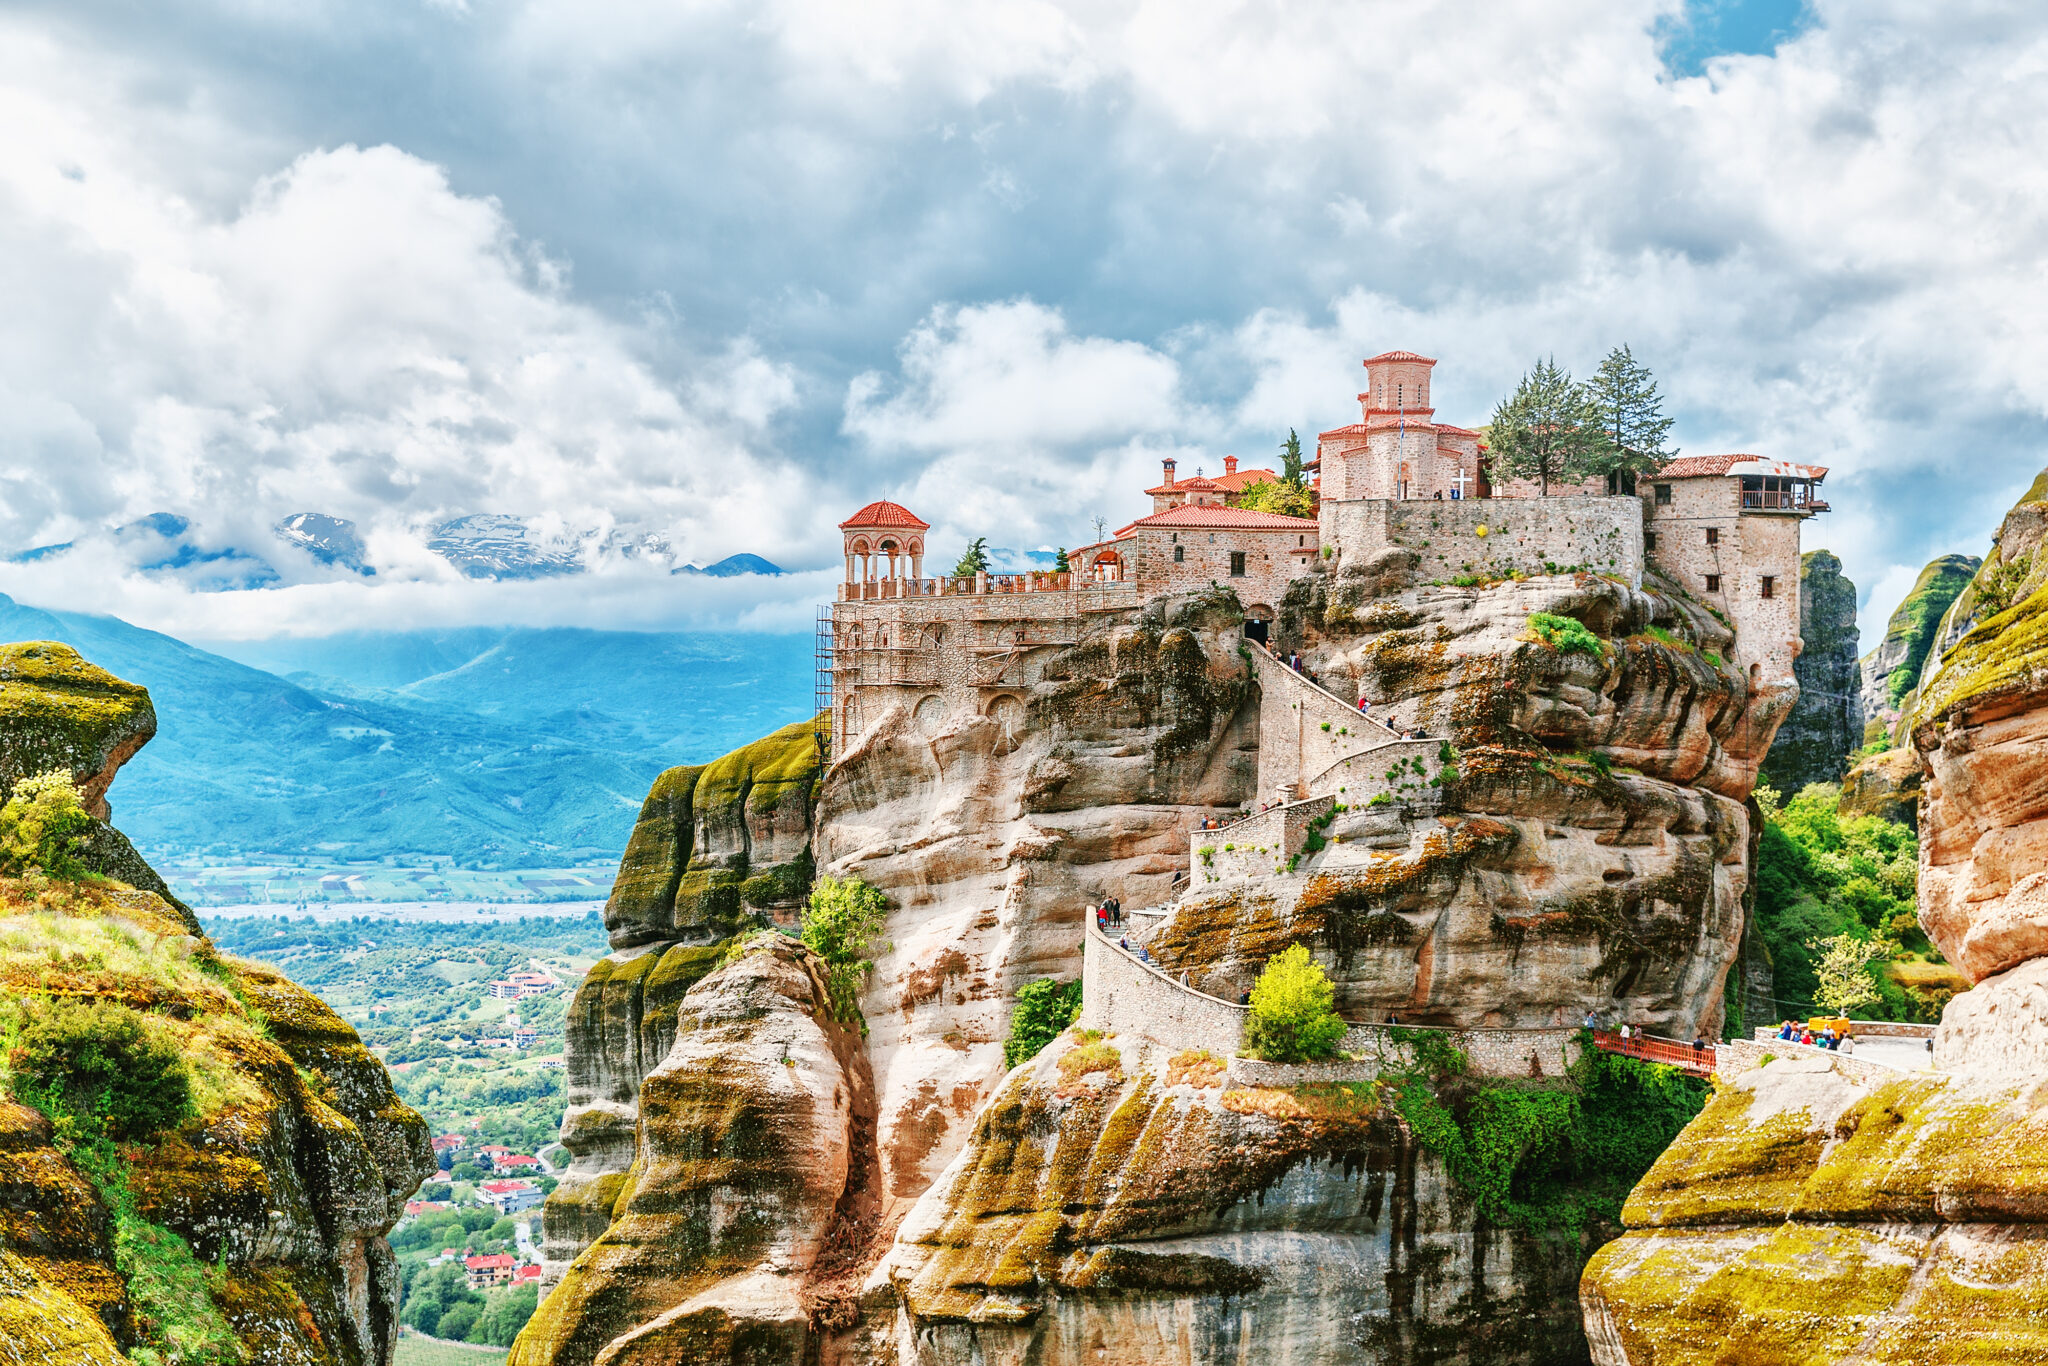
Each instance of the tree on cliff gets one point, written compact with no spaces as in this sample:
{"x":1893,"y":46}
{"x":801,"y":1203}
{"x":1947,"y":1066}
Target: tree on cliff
{"x":1293,"y":1016}
{"x":1549,"y":428}
{"x":974,"y":560}
{"x":843,"y":922}
{"x":1631,"y":417}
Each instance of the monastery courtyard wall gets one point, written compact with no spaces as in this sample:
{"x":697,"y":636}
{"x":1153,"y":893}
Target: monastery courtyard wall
{"x":1602,"y":534}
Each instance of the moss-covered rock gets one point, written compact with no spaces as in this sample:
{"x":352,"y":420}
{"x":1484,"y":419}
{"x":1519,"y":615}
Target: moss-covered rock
{"x":298,"y":1156}
{"x":716,"y":844}
{"x":1892,"y":670}
{"x":1817,"y":1218}
{"x":57,"y":711}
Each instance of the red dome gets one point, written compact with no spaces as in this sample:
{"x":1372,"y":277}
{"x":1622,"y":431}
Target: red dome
{"x":885,"y":514}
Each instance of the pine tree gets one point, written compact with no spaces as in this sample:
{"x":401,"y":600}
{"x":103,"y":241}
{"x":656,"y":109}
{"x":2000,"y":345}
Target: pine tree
{"x":974,"y":561}
{"x":1290,"y":459}
{"x":1060,"y":565}
{"x":1631,"y":415}
{"x":1549,"y":428}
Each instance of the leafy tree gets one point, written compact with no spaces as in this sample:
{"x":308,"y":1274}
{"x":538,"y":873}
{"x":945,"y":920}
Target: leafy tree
{"x":1631,"y":416}
{"x":1292,"y":1017}
{"x":974,"y":561}
{"x":456,"y":1321}
{"x":1842,"y":976}
{"x":505,"y":1313}
{"x":101,"y":1069}
{"x":1289,"y":500}
{"x":843,"y":922}
{"x":42,"y":826}
{"x":467,"y":1171}
{"x":440,"y":1303}
{"x":1549,"y":428}
{"x":1044,"y":1008}
{"x":1060,"y":565}
{"x":1820,"y":874}
{"x":1290,"y":459}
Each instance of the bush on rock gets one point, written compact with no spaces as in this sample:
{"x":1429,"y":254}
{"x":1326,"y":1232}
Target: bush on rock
{"x":845,"y":919}
{"x":1293,"y":1018}
{"x":1044,"y":1008}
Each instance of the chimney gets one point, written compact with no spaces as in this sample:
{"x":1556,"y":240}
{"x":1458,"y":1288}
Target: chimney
{"x":1230,"y":464}
{"x":1169,"y":469}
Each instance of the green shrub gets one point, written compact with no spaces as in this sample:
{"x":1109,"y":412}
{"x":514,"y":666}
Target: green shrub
{"x":1292,"y":1017}
{"x":505,"y":1312}
{"x":42,"y":826}
{"x":843,"y":923}
{"x":100,"y":1070}
{"x":1044,"y":1008}
{"x":171,"y":1310}
{"x":1564,"y":634}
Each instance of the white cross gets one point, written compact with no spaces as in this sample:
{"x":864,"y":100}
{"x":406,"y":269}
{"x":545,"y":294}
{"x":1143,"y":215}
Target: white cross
{"x":1460,"y":483}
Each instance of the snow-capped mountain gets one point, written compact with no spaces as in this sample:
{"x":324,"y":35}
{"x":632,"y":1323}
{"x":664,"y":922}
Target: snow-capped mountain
{"x":491,"y":545}
{"x":330,"y":540}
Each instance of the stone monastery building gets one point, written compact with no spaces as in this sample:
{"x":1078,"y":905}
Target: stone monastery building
{"x":1725,"y":528}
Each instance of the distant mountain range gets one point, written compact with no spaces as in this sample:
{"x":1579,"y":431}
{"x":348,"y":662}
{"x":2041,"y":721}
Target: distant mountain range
{"x":483,"y":546}
{"x":487,"y":746}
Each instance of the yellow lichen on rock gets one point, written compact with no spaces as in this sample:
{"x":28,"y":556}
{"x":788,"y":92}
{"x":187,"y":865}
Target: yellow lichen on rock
{"x":41,"y":1324}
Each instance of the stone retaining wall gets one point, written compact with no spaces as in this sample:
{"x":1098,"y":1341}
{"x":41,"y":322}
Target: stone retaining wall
{"x":1601,"y":534}
{"x":1119,"y":994}
{"x":1254,"y":846}
{"x":1865,"y":1029}
{"x":1358,"y":778}
{"x":1733,"y":1057}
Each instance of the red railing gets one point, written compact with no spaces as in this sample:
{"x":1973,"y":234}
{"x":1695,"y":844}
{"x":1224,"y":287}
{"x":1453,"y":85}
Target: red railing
{"x":1671,"y":1052}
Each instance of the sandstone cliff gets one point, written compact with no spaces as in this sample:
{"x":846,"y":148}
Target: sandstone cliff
{"x":1826,"y":724}
{"x":1572,"y":837}
{"x":1824,"y":1210}
{"x":751,"y":1188}
{"x":255,"y":1226}
{"x":1589,"y":849}
{"x":717,"y":848}
{"x":990,"y":844}
{"x":1121,"y":1204}
{"x":1892,"y":670}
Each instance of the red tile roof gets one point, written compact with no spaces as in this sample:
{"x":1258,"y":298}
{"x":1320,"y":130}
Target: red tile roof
{"x":885,"y":514}
{"x":1236,"y":519}
{"x":1244,"y":479}
{"x":526,"y":1273}
{"x":1398,"y":355}
{"x":515,"y":1160}
{"x":493,"y":1262}
{"x":505,"y":1187}
{"x":1443,"y":427}
{"x":1707,"y":466}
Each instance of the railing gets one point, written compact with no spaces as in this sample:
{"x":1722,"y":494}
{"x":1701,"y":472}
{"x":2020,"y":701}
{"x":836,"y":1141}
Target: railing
{"x":1697,"y":1060}
{"x":1779,"y":501}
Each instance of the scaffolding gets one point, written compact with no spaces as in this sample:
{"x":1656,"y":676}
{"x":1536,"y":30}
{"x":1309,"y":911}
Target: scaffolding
{"x":821,"y":684}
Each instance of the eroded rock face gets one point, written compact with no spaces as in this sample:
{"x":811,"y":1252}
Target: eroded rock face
{"x":1826,"y":724}
{"x":1138,"y":1211}
{"x":752,"y":1185}
{"x":1592,"y":850}
{"x":990,"y":849}
{"x":1822,"y":1218}
{"x":1885,"y":785}
{"x":298,"y":1161}
{"x":1979,"y":722}
{"x":1892,"y":670}
{"x":57,"y":711}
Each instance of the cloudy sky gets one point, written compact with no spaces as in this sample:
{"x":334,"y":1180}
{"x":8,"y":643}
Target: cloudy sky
{"x":720,"y":273}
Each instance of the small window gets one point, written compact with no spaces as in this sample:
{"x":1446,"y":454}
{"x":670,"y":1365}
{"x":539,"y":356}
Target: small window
{"x":1769,"y":584}
{"x":1713,"y":535}
{"x":1180,"y":552}
{"x":1237,"y":564}
{"x":1649,"y":540}
{"x":1713,"y":583}
{"x":1663,"y":495}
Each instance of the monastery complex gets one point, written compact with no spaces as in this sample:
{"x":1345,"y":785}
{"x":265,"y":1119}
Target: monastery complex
{"x":1725,"y":528}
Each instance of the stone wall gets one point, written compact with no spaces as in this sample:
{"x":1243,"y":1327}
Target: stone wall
{"x":1130,"y":999}
{"x":1122,"y":995}
{"x":1251,"y":847}
{"x":1272,"y":560}
{"x":1357,"y":779}
{"x":945,"y":656}
{"x":1601,"y":534}
{"x":1304,"y":728}
{"x":1733,"y":1057}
